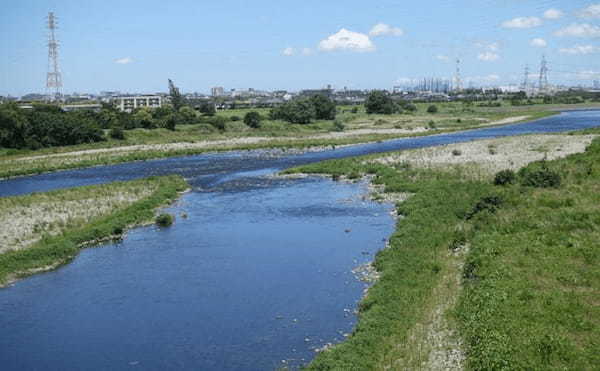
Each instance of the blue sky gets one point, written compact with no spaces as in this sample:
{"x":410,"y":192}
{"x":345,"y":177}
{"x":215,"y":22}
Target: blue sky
{"x":136,"y":45}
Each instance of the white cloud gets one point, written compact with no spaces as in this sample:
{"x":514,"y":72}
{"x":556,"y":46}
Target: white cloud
{"x":347,"y":40}
{"x":538,"y":42}
{"x":587,"y":75}
{"x":441,"y":57}
{"x":488,"y":56}
{"x":580,"y":49}
{"x":579,"y":30}
{"x":382,"y":29}
{"x":522,"y":22}
{"x":553,"y":14}
{"x":289,"y":51}
{"x":491,"y":46}
{"x":306,"y":51}
{"x":125,"y":60}
{"x":592,"y":12}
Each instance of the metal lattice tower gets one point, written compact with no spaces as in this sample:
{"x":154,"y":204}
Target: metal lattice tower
{"x":543,"y":84}
{"x":525,"y":86}
{"x":54,"y":77}
{"x":458,"y":79}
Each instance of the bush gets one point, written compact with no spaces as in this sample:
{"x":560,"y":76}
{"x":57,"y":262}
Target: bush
{"x":218,"y":122}
{"x":117,"y":133}
{"x":541,"y":177}
{"x":235,"y":118}
{"x":410,"y":107}
{"x":297,"y":111}
{"x":431,"y":124}
{"x":324,"y":107}
{"x":338,"y":125}
{"x":456,"y":152}
{"x":432,"y":109}
{"x":164,"y":220}
{"x":252,"y":119}
{"x":379,"y":101}
{"x":505,"y":177}
{"x":208,"y":109}
{"x":488,"y":203}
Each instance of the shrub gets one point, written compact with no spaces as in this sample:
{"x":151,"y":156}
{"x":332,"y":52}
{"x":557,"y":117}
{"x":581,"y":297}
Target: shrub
{"x":456,"y":152}
{"x":431,"y":124}
{"x":218,"y":122}
{"x":432,"y":109}
{"x":235,"y":118}
{"x":117,"y":133}
{"x":164,"y":220}
{"x":354,"y":110}
{"x":338,"y":125}
{"x":541,"y":177}
{"x":252,"y":119}
{"x":410,"y":107}
{"x":505,"y":177}
{"x":379,"y":101}
{"x":297,"y":111}
{"x":487,"y":203}
{"x":324,"y":107}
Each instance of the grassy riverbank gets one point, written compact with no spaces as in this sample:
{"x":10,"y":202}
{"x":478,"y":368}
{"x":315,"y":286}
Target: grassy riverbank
{"x":45,"y":230}
{"x":479,"y":276}
{"x":144,"y":144}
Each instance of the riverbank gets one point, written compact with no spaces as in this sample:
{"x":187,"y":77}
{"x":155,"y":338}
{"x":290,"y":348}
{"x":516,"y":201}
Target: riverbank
{"x":145,"y":144}
{"x":48,"y":229}
{"x":471,"y":262}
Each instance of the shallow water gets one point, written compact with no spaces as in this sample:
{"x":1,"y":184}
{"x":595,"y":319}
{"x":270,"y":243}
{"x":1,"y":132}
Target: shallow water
{"x":248,"y":279}
{"x":259,"y":272}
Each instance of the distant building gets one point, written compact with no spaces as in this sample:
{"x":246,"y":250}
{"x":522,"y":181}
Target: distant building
{"x":217,"y":91}
{"x":81,"y":107}
{"x":310,"y":92}
{"x":129,"y":104}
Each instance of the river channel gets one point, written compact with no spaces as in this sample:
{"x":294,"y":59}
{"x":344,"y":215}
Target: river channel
{"x":256,"y":277}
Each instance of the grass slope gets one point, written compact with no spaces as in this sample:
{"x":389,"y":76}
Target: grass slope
{"x":52,"y":251}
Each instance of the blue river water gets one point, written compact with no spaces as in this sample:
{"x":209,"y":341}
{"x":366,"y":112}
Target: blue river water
{"x":256,"y":277}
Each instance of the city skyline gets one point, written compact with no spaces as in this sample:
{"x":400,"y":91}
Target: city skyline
{"x":267,"y":46}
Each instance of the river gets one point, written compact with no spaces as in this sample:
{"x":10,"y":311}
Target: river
{"x":256,"y":277}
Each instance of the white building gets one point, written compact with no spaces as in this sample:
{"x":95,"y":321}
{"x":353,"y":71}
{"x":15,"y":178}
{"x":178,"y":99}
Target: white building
{"x":129,"y":104}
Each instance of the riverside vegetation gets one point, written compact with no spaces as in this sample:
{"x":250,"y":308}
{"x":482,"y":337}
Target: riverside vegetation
{"x":146,"y":134}
{"x":511,"y":270}
{"x":48,"y":229}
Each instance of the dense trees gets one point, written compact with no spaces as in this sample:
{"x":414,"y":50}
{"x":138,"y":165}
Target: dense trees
{"x":380,"y":101}
{"x":304,"y":110}
{"x":44,"y":127}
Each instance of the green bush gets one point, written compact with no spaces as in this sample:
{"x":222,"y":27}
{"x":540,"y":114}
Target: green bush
{"x":505,"y":177}
{"x":540,"y":177}
{"x":252,"y":119}
{"x":432,"y":109}
{"x":117,"y":133}
{"x":235,"y":118}
{"x":379,"y":101}
{"x":338,"y":125}
{"x":164,"y":220}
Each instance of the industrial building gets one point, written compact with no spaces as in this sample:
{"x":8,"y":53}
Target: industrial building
{"x":129,"y":104}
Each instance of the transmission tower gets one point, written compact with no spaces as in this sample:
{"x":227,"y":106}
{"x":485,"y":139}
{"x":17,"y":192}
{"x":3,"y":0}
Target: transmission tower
{"x":458,"y":79}
{"x":54,"y":77}
{"x":543,"y":75}
{"x":525,"y":86}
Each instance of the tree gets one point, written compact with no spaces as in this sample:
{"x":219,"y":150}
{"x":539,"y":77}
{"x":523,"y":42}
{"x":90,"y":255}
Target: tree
{"x":297,"y":111}
{"x":252,"y":119}
{"x":188,"y":115}
{"x":171,"y":121}
{"x":143,"y":119}
{"x":13,"y":127}
{"x":176,"y":98}
{"x":324,"y":107}
{"x":379,"y":101}
{"x":432,"y":109}
{"x":208,"y":109}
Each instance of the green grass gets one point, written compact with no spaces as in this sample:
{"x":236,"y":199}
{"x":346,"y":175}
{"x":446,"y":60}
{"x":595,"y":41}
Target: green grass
{"x":532,"y":289}
{"x":52,"y":251}
{"x":531,"y":277}
{"x":410,"y":268}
